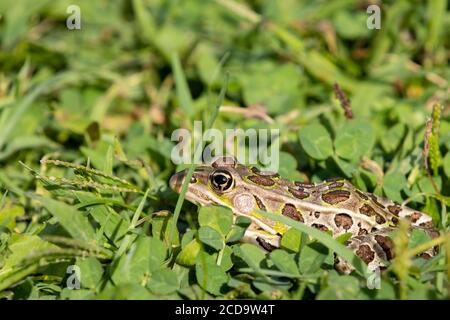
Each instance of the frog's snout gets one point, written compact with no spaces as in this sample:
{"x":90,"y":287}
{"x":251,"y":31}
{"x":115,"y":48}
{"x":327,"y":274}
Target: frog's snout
{"x":176,"y":181}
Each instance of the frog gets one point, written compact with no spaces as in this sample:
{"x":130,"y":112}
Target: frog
{"x":334,"y":206}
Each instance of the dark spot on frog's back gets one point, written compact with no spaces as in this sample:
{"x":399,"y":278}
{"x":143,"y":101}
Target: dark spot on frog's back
{"x":267,"y":174}
{"x":298,"y":193}
{"x":387,"y":244}
{"x":365,"y":253}
{"x":380,"y":219}
{"x":375,"y":200}
{"x":319,"y":226}
{"x":428,"y":224}
{"x":260,"y":203}
{"x":362,"y":195}
{"x":304,"y":184}
{"x":336,"y":196}
{"x":343,"y":220}
{"x":367,"y":210}
{"x":362,"y":232}
{"x":289,"y":210}
{"x":394,"y":209}
{"x":425,"y":256}
{"x":415,"y":216}
{"x":261,"y":180}
{"x":336,"y":184}
{"x":394,"y":220}
{"x":264,"y":244}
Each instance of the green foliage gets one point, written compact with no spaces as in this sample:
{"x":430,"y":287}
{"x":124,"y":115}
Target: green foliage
{"x":105,"y":100}
{"x":354,"y":140}
{"x":316,"y":141}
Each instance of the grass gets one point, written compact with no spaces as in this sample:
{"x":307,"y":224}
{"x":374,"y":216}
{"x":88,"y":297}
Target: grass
{"x":86,"y":123}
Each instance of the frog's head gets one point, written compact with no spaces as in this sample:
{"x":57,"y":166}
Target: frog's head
{"x":217,"y":184}
{"x":242,"y":189}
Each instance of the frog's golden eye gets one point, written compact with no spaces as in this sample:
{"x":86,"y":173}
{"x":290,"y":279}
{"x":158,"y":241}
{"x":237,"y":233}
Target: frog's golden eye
{"x":221,"y":180}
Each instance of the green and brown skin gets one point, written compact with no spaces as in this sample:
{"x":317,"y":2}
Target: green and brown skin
{"x":334,"y":205}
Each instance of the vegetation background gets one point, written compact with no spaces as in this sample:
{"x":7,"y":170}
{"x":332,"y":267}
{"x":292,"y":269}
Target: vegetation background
{"x":104,"y":100}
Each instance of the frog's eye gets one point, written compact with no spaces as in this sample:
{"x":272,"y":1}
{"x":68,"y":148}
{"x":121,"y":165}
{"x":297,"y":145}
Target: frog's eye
{"x":221,"y":180}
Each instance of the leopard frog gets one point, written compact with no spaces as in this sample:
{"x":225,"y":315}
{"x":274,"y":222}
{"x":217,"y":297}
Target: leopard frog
{"x":334,"y":205}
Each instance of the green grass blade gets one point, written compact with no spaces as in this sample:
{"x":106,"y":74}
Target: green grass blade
{"x":182,"y":88}
{"x":27,"y":101}
{"x":215,"y":112}
{"x":128,"y":239}
{"x":70,"y":218}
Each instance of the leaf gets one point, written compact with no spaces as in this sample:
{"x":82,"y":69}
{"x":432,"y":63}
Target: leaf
{"x":226,"y":263}
{"x":418,"y":237}
{"x":238,"y":229}
{"x":112,"y":224}
{"x":211,"y":237}
{"x":274,"y":86}
{"x":189,"y":253}
{"x":447,"y":164}
{"x":288,"y":167}
{"x":134,"y":266}
{"x":98,"y":155}
{"x":161,"y":226}
{"x":346,"y":167}
{"x":8,"y":216}
{"x":392,"y":183}
{"x":291,"y":240}
{"x":126,"y":291}
{"x":188,"y":236}
{"x":70,"y":218}
{"x":351,"y":24}
{"x":393,"y":137}
{"x":22,"y":247}
{"x":80,"y":294}
{"x":284,"y":261}
{"x":217,"y":217}
{"x":311,"y":257}
{"x":210,"y":276}
{"x":163,"y":281}
{"x":157,"y":253}
{"x":91,"y":272}
{"x":340,"y":288}
{"x":316,"y":141}
{"x":355,"y":139}
{"x":251,"y":255}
